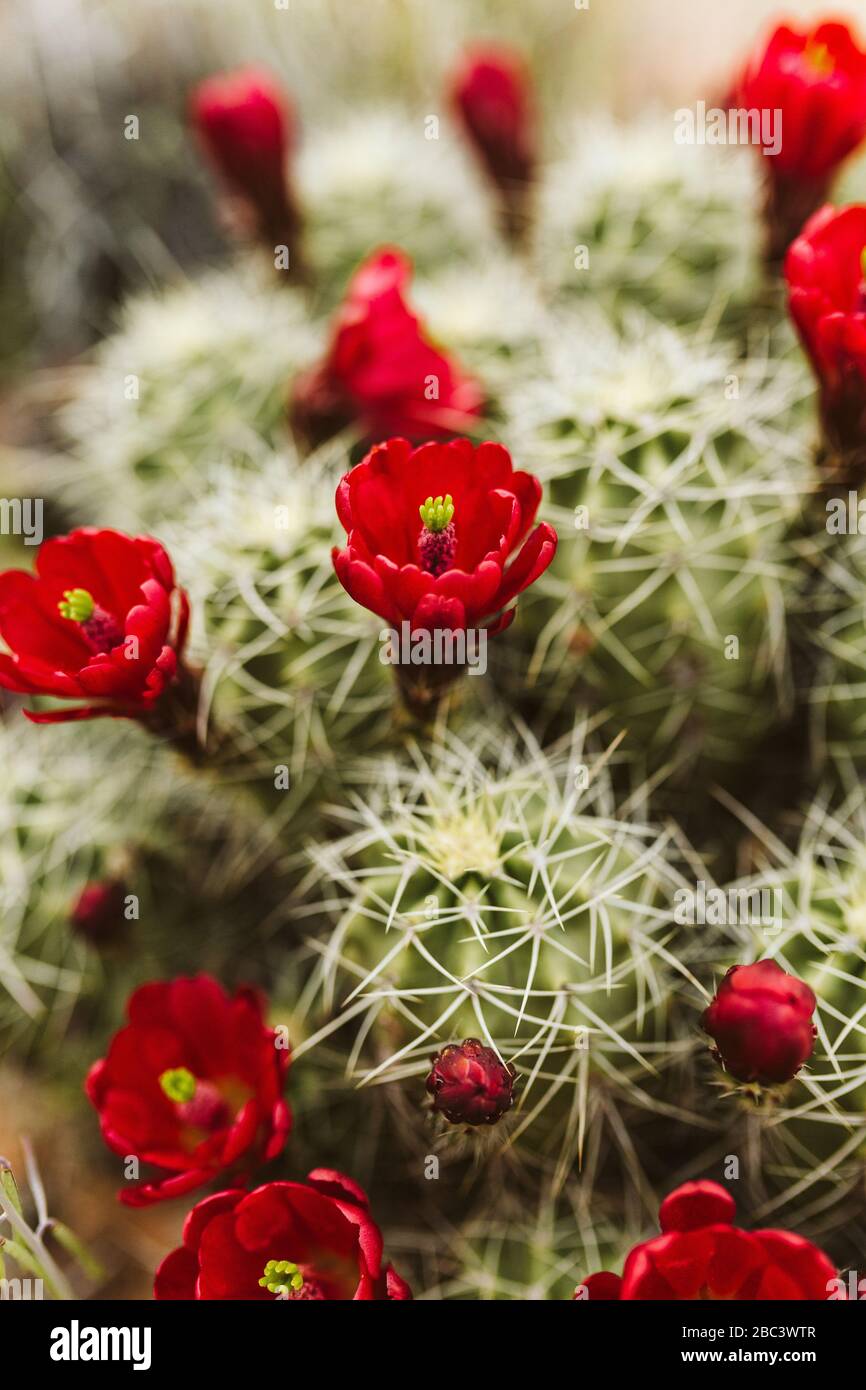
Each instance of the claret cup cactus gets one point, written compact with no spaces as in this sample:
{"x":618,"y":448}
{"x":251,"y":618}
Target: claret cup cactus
{"x":676,"y":476}
{"x":790,"y":1028}
{"x":445,"y":684}
{"x":488,"y":893}
{"x":291,"y":671}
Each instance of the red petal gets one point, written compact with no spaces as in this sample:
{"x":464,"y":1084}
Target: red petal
{"x":533,"y":560}
{"x":696,"y":1204}
{"x":364,"y":586}
{"x":335,"y":1184}
{"x":438,"y":614}
{"x":396,"y":1287}
{"x":67,"y":716}
{"x":176,"y":1277}
{"x":176,"y":1186}
{"x":602,"y":1287}
{"x":801,"y":1260}
{"x":204,"y":1212}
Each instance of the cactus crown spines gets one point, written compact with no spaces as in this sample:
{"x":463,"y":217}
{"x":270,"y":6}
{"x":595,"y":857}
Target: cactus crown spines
{"x":168,"y":394}
{"x":489,"y":314}
{"x":832,"y":614}
{"x":629,"y":216}
{"x":518,"y":1255}
{"x":667,"y":597}
{"x":638,"y":376}
{"x":564,"y":942}
{"x":98,"y":798}
{"x":350,"y":169}
{"x":290,"y":661}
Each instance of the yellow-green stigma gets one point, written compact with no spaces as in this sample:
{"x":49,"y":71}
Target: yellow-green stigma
{"x":281,"y":1275}
{"x":437,"y":512}
{"x":77,"y":605}
{"x":178,"y":1084}
{"x":819,"y":58}
{"x":863,"y":262}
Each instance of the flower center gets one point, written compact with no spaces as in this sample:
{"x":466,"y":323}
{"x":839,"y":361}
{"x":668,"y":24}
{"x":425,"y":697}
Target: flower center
{"x":437,"y":543}
{"x":99,"y":628}
{"x":199,"y":1103}
{"x":284,"y":1279}
{"x":178,"y":1083}
{"x":818,"y":59}
{"x":437,"y":513}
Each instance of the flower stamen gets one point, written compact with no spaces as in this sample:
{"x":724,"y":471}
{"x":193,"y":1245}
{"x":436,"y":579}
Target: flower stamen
{"x":99,"y":628}
{"x":819,"y":58}
{"x":437,"y":543}
{"x":437,"y":512}
{"x":179,"y":1084}
{"x":77,"y":605}
{"x":281,"y":1277}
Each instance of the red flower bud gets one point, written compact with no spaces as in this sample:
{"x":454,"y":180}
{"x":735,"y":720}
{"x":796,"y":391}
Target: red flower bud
{"x":247,"y":130}
{"x":761,"y":1023}
{"x":381,"y":369}
{"x":827,"y":300}
{"x":816,"y":79}
{"x":97,"y":914}
{"x":469,"y":1084}
{"x":493,"y":98}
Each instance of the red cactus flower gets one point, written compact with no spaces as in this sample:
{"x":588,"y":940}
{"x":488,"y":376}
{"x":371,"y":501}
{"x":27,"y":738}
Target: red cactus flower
{"x":824,"y":269}
{"x":702,"y":1255}
{"x":816,"y":78}
{"x":440,"y":536}
{"x":100,"y":621}
{"x":286,"y":1240}
{"x":381,"y":370}
{"x":492,"y":94}
{"x":247,"y":129}
{"x":761,"y":1023}
{"x":193,"y":1085}
{"x":470,"y":1085}
{"x":98,"y":912}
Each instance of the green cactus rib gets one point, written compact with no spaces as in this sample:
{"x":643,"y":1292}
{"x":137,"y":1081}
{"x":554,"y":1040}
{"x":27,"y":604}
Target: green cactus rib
{"x":629,"y":217}
{"x":353,"y":167}
{"x":677,"y":511}
{"x":98,"y":801}
{"x":484,"y":892}
{"x":291,"y":669}
{"x":195,"y":374}
{"x":836,"y":691}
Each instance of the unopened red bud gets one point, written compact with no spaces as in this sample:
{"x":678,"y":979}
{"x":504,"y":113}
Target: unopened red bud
{"x":761,"y":1023}
{"x":246,"y":126}
{"x":470,"y":1084}
{"x":97,"y":914}
{"x":493,"y":95}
